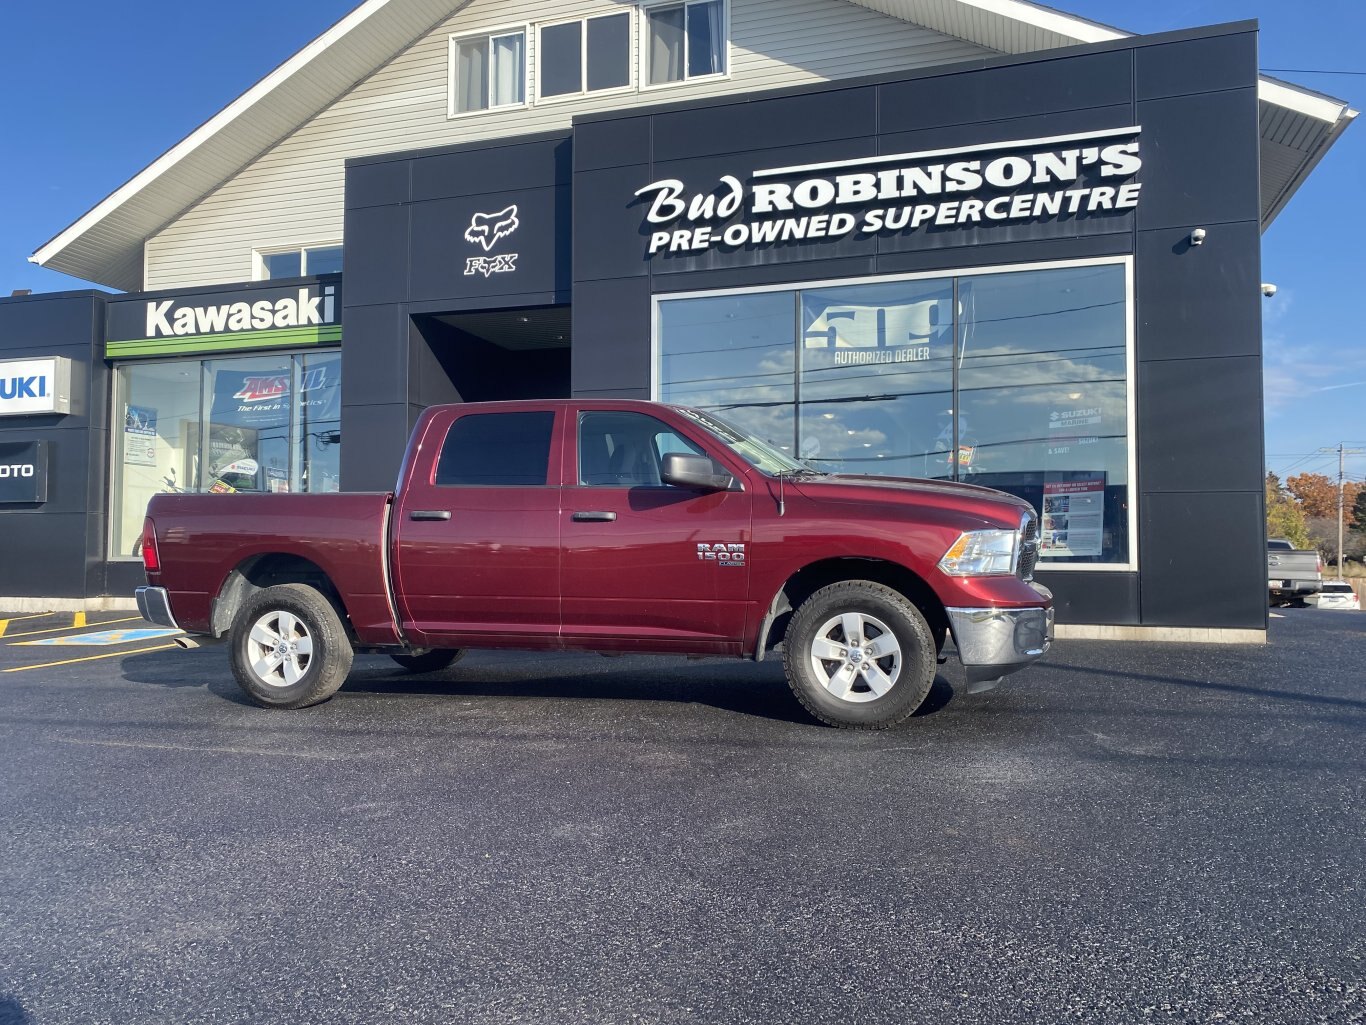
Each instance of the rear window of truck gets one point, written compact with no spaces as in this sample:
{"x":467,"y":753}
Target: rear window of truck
{"x":497,"y":450}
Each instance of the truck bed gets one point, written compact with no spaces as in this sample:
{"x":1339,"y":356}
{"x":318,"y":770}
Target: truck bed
{"x":205,"y":537}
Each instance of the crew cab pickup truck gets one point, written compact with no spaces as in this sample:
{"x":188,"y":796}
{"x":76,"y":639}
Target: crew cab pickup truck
{"x":609,"y":526}
{"x":1291,"y":572}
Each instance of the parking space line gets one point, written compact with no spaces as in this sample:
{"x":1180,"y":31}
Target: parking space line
{"x":4,"y":623}
{"x":91,"y":658}
{"x":64,"y":629}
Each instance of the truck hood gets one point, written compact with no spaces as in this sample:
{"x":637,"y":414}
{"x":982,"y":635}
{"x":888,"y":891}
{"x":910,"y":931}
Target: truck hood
{"x":986,"y":503}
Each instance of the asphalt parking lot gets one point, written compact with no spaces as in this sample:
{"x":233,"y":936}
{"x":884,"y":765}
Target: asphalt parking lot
{"x":1128,"y":833}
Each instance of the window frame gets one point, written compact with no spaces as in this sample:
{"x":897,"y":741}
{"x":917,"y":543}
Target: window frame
{"x":1132,"y":565}
{"x":489,"y":34}
{"x":642,"y":47}
{"x":258,"y":257}
{"x":584,"y":91}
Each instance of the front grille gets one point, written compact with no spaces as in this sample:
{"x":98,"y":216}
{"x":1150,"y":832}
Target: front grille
{"x":1029,"y":545}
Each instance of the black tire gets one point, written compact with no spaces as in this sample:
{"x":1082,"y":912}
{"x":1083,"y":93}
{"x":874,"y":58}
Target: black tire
{"x":878,"y":609}
{"x":319,"y":670}
{"x":430,"y":661}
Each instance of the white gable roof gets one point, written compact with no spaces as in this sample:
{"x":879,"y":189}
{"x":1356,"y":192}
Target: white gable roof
{"x":106,"y":244}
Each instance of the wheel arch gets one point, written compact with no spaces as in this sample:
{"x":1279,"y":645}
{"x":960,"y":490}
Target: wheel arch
{"x":812,"y":577}
{"x":267,"y":569}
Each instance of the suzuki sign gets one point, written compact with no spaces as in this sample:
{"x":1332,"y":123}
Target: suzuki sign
{"x":30,"y":386}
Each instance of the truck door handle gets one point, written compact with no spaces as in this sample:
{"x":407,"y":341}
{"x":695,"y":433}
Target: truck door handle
{"x":594,"y":515}
{"x":429,"y":514}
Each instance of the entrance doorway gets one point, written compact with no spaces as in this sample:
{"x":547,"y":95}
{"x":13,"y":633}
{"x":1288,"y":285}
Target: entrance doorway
{"x":502,"y":354}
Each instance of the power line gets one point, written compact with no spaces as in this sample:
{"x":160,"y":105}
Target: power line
{"x":1310,"y":71}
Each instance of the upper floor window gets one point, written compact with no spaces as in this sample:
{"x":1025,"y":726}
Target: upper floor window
{"x":298,"y":261}
{"x":589,"y":55}
{"x":488,"y":70}
{"x":685,"y":41}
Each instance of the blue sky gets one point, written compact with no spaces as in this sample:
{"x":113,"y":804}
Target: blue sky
{"x":137,"y":77}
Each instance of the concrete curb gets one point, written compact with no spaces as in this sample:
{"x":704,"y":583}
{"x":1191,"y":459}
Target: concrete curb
{"x":106,"y":603}
{"x":1177,"y":634}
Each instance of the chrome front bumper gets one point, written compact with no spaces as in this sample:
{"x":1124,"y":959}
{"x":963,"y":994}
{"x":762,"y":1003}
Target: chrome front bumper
{"x":994,"y":642}
{"x":154,"y":605}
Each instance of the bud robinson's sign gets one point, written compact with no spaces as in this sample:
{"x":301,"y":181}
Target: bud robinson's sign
{"x":1016,"y":181}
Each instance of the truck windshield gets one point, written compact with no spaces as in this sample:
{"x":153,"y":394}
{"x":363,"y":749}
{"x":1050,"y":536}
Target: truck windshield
{"x":755,"y":451}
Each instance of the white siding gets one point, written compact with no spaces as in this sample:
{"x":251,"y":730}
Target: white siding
{"x":292,"y":195}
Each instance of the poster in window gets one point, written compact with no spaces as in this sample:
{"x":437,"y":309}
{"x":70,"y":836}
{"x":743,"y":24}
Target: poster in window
{"x":139,"y":435}
{"x":1073,"y":516}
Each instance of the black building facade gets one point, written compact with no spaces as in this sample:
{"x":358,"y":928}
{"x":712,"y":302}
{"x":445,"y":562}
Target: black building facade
{"x":1036,"y":273}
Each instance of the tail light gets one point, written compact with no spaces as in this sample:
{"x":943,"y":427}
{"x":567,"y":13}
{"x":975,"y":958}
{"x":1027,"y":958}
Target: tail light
{"x":151,"y":559}
{"x":1318,"y":560}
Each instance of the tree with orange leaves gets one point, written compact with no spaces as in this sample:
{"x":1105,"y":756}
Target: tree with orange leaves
{"x":1318,"y":496}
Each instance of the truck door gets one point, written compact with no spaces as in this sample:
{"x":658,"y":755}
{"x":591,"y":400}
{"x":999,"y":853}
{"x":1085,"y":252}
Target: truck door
{"x":476,"y":556}
{"x":654,"y":566}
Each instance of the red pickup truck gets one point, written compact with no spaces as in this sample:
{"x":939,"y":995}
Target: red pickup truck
{"x":611,"y":526}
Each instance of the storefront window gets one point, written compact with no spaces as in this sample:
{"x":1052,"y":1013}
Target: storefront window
{"x":1015,"y":380}
{"x":734,"y":355}
{"x":876,"y":380}
{"x":264,"y":423}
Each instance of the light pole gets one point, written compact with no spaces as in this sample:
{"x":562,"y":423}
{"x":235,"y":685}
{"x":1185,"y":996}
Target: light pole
{"x":1343,"y":453}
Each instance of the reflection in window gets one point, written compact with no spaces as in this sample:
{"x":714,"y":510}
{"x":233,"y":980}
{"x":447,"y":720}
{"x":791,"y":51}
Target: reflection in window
{"x":1014,"y":380}
{"x":1043,"y":401}
{"x":877,"y":378}
{"x":267,"y":423}
{"x":733,"y":355}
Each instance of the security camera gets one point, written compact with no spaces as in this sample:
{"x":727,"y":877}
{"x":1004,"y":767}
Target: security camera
{"x":1268,"y":289}
{"x":1198,"y":236}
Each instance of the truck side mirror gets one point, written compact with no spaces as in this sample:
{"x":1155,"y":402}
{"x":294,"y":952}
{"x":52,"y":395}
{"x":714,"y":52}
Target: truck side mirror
{"x":685,"y":470}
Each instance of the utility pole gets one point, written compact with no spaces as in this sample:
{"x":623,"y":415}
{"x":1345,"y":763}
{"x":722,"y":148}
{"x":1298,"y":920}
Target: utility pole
{"x":1343,"y":453}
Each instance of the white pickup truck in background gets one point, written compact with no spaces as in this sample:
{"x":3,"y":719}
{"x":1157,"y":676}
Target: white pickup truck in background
{"x":1291,"y":572}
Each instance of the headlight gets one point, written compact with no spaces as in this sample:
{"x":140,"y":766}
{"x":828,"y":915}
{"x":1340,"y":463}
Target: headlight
{"x":981,"y":553}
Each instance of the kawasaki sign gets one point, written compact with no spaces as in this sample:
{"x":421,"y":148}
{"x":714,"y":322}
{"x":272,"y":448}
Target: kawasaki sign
{"x":247,"y":317}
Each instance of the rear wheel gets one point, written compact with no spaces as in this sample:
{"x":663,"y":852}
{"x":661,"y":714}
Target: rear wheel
{"x":288,"y":648}
{"x":430,"y":661}
{"x":859,"y":655}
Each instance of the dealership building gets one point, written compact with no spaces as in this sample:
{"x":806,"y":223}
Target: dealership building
{"x":989,"y":242}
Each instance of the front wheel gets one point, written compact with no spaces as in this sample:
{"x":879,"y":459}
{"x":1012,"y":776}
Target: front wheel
{"x":858,"y":655}
{"x":430,"y":661}
{"x":289,"y":649}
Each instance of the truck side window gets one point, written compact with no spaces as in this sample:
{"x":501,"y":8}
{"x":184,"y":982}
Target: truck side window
{"x":625,"y":450}
{"x":497,"y":450}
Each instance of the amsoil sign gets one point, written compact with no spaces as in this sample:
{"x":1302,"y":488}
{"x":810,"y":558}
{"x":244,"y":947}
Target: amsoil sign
{"x":31,"y":386}
{"x":259,"y":317}
{"x":23,"y":472}
{"x":1021,"y":180}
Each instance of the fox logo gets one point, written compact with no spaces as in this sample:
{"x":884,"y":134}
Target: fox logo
{"x":486,"y":229}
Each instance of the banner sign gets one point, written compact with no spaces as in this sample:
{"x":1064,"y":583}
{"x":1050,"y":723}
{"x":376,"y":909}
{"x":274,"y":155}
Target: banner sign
{"x":23,"y":472}
{"x":31,"y":386}
{"x":1073,"y":516}
{"x":1004,"y":182}
{"x":263,"y":316}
